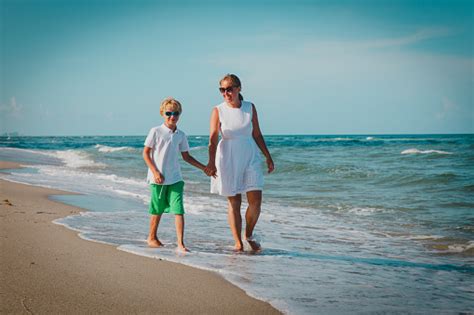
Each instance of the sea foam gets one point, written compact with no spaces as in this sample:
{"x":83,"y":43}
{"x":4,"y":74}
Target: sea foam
{"x":416,"y":151}
{"x":75,"y":158}
{"x":345,"y":222}
{"x":107,"y":149}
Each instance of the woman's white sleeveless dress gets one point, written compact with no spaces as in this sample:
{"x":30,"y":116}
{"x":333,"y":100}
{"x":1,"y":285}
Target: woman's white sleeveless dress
{"x":238,"y":161}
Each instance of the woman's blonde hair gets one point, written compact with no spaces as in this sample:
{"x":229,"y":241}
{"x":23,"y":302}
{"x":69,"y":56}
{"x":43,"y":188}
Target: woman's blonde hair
{"x":170,"y":102}
{"x":234,"y":80}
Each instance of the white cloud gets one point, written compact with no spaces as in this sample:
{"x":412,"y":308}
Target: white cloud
{"x":12,"y":109}
{"x":110,"y":116}
{"x":340,"y":75}
{"x":420,"y":35}
{"x":448,"y":107}
{"x":348,"y":46}
{"x":338,"y":57}
{"x":44,"y":111}
{"x":347,"y":62}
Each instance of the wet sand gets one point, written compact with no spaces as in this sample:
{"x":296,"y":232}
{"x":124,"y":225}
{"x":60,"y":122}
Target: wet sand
{"x":47,"y":268}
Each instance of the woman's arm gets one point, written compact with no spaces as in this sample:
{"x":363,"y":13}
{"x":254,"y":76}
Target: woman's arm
{"x":213,"y":139}
{"x":151,"y":165}
{"x":258,"y":137}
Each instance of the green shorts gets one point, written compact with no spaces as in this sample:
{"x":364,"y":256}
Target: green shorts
{"x":167,"y":198}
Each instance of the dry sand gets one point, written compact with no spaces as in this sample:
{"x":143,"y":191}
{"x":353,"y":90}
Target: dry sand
{"x":46,"y":268}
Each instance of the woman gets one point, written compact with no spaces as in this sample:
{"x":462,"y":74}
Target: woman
{"x":235,"y":162}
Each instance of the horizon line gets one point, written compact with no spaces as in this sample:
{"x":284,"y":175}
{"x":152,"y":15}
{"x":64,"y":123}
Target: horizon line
{"x":4,"y":135}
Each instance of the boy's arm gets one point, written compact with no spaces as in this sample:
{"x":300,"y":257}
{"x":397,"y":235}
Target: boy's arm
{"x":188,"y":158}
{"x":146,"y":156}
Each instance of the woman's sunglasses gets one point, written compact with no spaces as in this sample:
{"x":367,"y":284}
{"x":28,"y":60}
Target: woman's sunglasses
{"x":169,"y":114}
{"x":227,"y":89}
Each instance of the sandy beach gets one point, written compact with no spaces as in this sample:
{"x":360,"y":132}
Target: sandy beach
{"x":47,"y":268}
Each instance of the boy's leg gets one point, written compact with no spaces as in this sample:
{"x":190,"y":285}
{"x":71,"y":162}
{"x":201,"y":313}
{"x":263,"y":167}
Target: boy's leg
{"x":175,"y":197}
{"x":179,"y":223}
{"x":152,"y":239}
{"x":157,"y":207}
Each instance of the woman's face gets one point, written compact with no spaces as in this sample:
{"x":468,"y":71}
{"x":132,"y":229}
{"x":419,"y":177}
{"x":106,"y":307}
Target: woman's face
{"x":229,"y":92}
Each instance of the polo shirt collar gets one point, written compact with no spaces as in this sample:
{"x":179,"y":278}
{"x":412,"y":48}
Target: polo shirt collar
{"x":168,"y":130}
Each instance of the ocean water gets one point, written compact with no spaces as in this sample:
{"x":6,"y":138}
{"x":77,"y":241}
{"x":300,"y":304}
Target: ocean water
{"x":364,"y":224}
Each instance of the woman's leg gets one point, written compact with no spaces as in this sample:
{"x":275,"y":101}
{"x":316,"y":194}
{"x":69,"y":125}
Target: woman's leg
{"x":254,"y":199}
{"x":235,"y":220}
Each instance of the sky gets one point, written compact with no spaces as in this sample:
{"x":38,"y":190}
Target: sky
{"x":102,"y":67}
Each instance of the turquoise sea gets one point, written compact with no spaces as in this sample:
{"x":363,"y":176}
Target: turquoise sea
{"x":349,"y":224}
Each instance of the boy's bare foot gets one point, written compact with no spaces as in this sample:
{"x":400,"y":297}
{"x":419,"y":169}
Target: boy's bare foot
{"x":254,"y":245}
{"x":154,"y":243}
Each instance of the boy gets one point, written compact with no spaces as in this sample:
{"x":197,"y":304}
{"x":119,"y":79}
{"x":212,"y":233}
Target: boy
{"x":162,"y":147}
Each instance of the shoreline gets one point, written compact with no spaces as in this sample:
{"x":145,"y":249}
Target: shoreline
{"x":48,"y":268}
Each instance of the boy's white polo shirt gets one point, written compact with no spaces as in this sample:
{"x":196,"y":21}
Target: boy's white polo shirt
{"x":167,"y":146}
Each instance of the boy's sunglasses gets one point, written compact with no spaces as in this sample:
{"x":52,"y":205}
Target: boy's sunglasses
{"x":227,"y":89}
{"x":169,"y":114}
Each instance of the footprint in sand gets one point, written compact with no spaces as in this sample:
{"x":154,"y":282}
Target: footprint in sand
{"x":7,"y":202}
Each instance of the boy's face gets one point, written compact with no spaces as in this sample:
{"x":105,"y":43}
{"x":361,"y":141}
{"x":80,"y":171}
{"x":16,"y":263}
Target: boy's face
{"x":171,"y":116}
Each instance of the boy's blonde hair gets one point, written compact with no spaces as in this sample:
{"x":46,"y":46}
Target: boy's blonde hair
{"x":170,"y":102}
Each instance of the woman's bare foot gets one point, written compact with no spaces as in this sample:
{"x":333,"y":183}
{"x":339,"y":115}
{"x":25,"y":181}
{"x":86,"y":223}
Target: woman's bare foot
{"x":154,"y":243}
{"x":182,"y":249}
{"x":254,"y":245}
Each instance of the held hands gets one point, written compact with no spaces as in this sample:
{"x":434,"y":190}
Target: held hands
{"x":159,"y":178}
{"x":210,"y":170}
